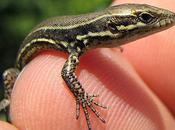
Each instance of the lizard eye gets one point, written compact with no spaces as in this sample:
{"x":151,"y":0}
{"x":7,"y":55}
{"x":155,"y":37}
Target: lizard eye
{"x":146,"y":17}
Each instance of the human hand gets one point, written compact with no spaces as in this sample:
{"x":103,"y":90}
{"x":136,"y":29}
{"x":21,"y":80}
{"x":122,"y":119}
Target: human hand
{"x":41,"y":99}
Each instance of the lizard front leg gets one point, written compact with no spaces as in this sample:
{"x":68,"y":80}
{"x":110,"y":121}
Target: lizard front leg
{"x":82,"y":98}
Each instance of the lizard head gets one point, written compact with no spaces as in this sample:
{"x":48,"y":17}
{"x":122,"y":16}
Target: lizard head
{"x":130,"y":21}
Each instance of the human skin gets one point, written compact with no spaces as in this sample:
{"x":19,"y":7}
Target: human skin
{"x":137,"y":86}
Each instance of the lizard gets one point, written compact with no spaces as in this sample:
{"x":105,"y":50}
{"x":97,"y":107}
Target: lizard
{"x":76,"y":34}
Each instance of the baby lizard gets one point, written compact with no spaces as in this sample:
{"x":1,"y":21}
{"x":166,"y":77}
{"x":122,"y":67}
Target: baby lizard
{"x":74,"y":35}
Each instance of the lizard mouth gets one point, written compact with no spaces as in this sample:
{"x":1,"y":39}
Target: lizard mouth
{"x":166,"y":22}
{"x":171,"y":19}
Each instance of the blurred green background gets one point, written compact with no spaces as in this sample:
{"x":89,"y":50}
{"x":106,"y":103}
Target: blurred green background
{"x":18,"y":17}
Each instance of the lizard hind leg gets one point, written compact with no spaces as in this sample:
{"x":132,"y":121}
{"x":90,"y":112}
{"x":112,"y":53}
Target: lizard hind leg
{"x":9,"y":78}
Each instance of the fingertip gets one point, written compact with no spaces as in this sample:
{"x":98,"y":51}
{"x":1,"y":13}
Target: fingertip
{"x":40,"y":99}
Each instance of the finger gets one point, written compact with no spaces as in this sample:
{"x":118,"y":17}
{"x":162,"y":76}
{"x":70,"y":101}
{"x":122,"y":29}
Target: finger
{"x":153,"y":57}
{"x":6,"y":126}
{"x":41,"y":100}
